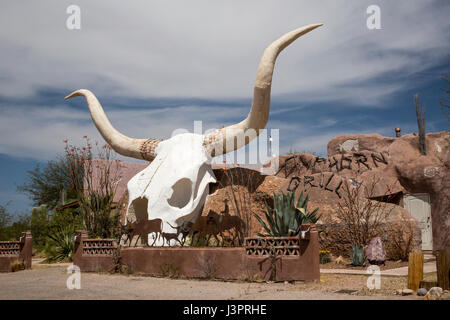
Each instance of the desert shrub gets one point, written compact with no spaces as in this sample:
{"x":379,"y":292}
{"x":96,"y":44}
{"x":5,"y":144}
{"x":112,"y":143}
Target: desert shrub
{"x":118,"y":265}
{"x":17,"y":265}
{"x":362,"y":219}
{"x":248,"y":276}
{"x":94,"y":182}
{"x":324,"y":256}
{"x":39,"y":226}
{"x":58,"y":235}
{"x":400,"y":239}
{"x":198,"y":240}
{"x":208,"y":267}
{"x":170,"y":270}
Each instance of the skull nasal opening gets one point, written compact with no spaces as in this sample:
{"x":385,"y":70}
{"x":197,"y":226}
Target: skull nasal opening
{"x":181,"y":195}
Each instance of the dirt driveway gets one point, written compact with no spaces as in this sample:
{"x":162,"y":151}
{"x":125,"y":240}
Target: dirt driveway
{"x":50,"y":283}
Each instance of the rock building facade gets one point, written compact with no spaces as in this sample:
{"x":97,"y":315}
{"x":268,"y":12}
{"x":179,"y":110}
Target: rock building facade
{"x":416,"y":186}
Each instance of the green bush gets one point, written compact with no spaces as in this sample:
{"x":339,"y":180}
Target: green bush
{"x":324,"y":256}
{"x":11,"y":227}
{"x":59,"y":235}
{"x":39,"y":226}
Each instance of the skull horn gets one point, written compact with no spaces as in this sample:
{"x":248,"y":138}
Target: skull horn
{"x":223,"y":140}
{"x":126,"y":146}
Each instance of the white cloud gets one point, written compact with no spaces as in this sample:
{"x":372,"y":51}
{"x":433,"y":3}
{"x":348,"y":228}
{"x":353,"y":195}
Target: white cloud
{"x":203,"y":49}
{"x":212,"y":49}
{"x":38,"y":132}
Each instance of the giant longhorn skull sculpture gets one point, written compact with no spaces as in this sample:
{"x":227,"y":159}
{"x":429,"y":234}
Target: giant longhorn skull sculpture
{"x":174,"y":186}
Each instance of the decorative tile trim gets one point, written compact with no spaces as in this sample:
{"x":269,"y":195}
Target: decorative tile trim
{"x":286,"y":246}
{"x":99,"y":247}
{"x":9,"y":248}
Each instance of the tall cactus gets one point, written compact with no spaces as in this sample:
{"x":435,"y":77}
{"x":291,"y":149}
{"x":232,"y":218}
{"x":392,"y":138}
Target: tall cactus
{"x":420,"y":113}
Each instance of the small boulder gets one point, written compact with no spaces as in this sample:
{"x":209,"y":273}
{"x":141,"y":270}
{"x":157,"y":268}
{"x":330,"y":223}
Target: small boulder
{"x":445,"y":296}
{"x":434,"y":293}
{"x":375,"y":252}
{"x":339,"y":260}
{"x":407,"y":292}
{"x":421,"y":292}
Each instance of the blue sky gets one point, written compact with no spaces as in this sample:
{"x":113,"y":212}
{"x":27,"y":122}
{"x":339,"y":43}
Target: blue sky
{"x":158,"y":66}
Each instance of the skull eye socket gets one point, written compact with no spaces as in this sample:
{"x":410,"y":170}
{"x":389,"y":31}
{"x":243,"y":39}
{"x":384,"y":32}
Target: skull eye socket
{"x":181,"y":194}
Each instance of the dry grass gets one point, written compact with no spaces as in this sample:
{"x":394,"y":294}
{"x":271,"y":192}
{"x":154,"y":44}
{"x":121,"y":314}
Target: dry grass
{"x":248,"y":276}
{"x":431,"y":276}
{"x":334,"y":282}
{"x":17,"y":266}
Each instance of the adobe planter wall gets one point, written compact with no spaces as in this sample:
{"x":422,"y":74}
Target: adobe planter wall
{"x":299,"y":260}
{"x":93,"y":255}
{"x":11,"y":251}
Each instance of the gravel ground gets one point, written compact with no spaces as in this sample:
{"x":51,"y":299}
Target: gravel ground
{"x":45,"y":282}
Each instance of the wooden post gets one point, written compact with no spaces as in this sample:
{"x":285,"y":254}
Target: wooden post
{"x":415,"y":270}
{"x":443,"y":268}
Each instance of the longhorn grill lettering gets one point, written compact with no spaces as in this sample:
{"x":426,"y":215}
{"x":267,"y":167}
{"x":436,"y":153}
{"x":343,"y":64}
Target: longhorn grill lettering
{"x":295,"y":163}
{"x":174,"y":186}
{"x":295,"y":181}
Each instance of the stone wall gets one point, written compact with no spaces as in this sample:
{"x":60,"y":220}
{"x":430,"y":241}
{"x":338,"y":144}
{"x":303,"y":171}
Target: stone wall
{"x":297,"y":259}
{"x":12,"y":251}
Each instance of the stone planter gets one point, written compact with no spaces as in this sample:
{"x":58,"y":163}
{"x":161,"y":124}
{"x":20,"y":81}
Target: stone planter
{"x":263,"y":246}
{"x":93,"y":255}
{"x":11,"y":251}
{"x":285,"y":246}
{"x":297,"y":258}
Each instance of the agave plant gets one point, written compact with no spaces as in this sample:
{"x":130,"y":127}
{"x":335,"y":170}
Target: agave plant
{"x":357,"y":255}
{"x":61,"y":245}
{"x":286,"y":218}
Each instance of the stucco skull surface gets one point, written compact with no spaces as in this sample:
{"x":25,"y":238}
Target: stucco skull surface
{"x":174,"y":186}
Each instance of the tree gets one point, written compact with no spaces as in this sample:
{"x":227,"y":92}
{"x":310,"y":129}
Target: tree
{"x":10,"y":227}
{"x":44,"y":185}
{"x":91,"y":181}
{"x":39,"y":226}
{"x":96,"y":189}
{"x":5,"y":220}
{"x":58,"y":234}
